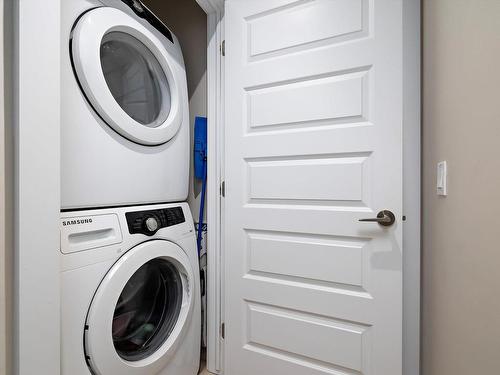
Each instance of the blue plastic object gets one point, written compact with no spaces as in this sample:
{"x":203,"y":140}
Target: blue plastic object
{"x":200,"y":147}
{"x":200,"y":167}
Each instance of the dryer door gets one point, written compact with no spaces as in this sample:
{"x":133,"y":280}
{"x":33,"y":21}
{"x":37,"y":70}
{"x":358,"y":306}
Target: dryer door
{"x":129,"y":77}
{"x":141,"y":310}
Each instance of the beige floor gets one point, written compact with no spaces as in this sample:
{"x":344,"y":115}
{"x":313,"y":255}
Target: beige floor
{"x":204,"y":371}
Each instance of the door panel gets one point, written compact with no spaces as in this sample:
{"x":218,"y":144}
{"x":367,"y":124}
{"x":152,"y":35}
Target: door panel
{"x":338,"y":97}
{"x":346,"y":20}
{"x":313,"y":144}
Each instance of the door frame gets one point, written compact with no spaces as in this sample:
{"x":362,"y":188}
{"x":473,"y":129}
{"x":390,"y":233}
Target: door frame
{"x":6,"y":188}
{"x":411,"y":193}
{"x":411,"y":184}
{"x":215,"y":173}
{"x":36,"y":115}
{"x":37,"y":185}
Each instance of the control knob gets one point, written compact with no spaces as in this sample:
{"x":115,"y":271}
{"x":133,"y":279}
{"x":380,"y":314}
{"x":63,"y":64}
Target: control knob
{"x":151,"y":224}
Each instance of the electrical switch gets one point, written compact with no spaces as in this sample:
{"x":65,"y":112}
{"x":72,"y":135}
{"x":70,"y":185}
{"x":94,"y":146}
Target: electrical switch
{"x":442,"y":171}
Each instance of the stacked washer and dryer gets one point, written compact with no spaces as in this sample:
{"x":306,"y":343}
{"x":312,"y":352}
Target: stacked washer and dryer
{"x":129,"y":264}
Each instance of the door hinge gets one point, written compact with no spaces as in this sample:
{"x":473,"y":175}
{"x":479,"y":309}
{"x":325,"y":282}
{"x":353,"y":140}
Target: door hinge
{"x":223,"y":48}
{"x":223,"y":188}
{"x":223,"y":330}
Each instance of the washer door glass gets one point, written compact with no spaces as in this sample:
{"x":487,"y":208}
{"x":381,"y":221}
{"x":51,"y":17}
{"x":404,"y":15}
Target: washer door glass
{"x":147,"y":310}
{"x":135,"y":78}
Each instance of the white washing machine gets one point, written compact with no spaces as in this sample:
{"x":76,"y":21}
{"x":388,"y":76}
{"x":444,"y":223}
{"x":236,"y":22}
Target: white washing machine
{"x":130,"y":291}
{"x":124,"y":107}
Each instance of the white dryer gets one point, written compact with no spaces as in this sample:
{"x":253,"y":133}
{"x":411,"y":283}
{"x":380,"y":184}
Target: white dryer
{"x":130,"y":292}
{"x":125,"y":119}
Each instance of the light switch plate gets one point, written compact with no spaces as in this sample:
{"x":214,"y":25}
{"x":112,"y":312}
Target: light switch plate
{"x":442,"y":176}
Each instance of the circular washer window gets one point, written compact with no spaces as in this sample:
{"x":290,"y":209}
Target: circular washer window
{"x":147,"y":310}
{"x":135,"y":78}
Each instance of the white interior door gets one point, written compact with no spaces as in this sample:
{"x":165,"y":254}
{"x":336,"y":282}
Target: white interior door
{"x":313,"y":144}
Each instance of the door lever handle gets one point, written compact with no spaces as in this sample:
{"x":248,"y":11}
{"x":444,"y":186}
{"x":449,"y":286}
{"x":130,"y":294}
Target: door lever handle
{"x":385,"y":218}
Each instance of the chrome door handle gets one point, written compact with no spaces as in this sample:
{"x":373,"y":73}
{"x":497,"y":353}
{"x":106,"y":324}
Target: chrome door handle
{"x":385,"y":218}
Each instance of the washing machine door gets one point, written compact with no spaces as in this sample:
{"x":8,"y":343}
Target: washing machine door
{"x":129,"y":77}
{"x":141,"y":310}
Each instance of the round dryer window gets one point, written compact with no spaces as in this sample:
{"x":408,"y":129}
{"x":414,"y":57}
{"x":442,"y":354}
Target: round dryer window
{"x":132,"y":80}
{"x":141,"y":310}
{"x":135,"y":78}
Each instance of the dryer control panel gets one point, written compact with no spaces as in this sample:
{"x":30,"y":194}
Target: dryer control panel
{"x":150,"y":221}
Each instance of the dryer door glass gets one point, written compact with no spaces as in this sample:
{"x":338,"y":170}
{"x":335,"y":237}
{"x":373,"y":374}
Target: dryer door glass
{"x":135,"y":78}
{"x":147,"y":310}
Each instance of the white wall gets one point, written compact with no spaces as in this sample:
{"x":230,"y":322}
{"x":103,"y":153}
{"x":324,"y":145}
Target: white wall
{"x":189,"y":23}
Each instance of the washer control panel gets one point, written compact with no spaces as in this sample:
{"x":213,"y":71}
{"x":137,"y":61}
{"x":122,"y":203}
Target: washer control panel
{"x":150,"y":221}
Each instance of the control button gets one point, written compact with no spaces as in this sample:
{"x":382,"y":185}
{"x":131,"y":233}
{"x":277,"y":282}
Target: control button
{"x":151,"y":224}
